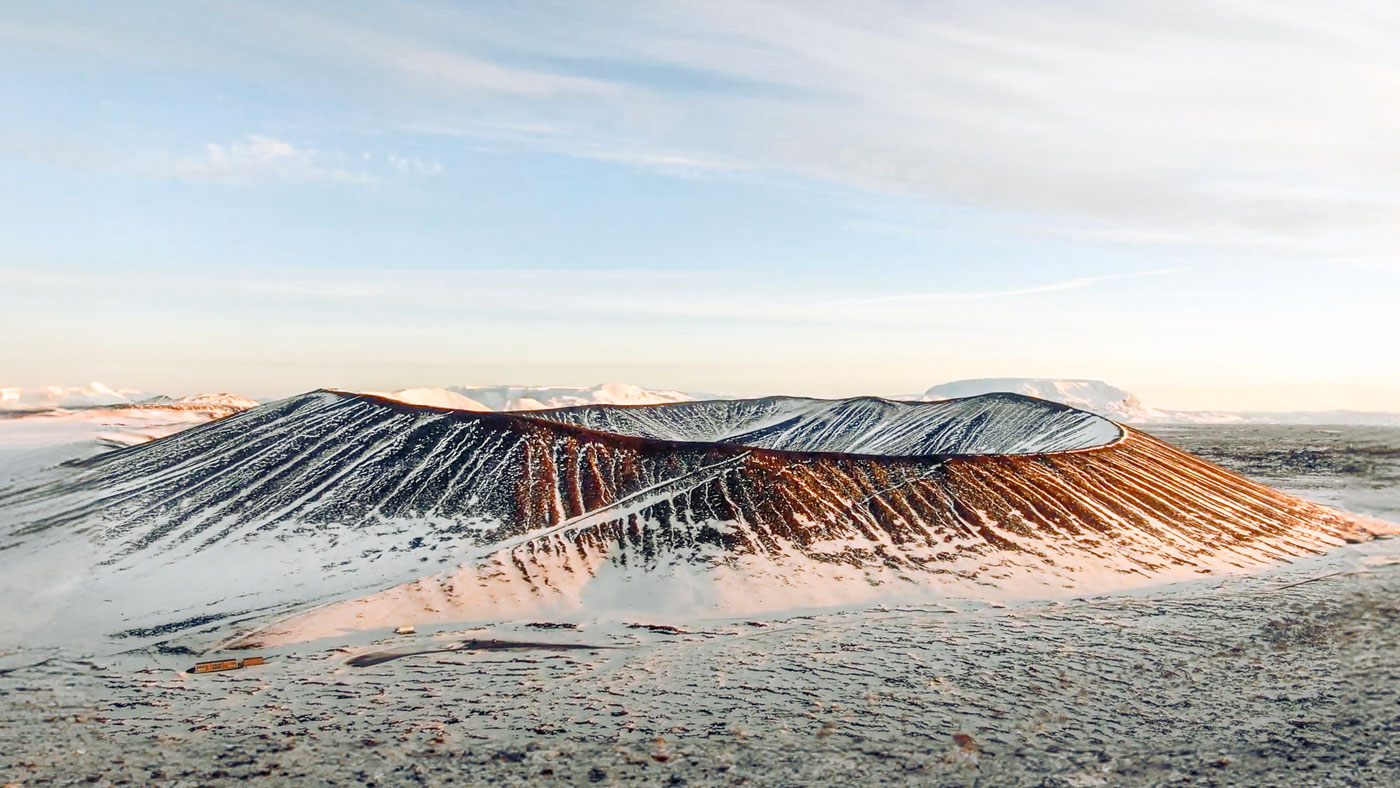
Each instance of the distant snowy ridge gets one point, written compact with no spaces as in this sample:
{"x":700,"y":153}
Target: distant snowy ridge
{"x":220,"y":404}
{"x":1095,"y":396}
{"x":432,"y":398}
{"x":522,"y":398}
{"x":516,"y":398}
{"x":16,"y":399}
{"x":1091,"y":395}
{"x":93,"y":395}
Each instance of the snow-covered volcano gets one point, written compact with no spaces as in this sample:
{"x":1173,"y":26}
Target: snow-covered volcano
{"x":717,"y":507}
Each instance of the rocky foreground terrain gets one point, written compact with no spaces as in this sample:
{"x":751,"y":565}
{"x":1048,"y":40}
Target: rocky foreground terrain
{"x":1285,"y":677}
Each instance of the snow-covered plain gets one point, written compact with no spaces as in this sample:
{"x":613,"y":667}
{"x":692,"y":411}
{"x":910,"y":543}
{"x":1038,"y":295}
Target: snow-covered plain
{"x":32,"y":441}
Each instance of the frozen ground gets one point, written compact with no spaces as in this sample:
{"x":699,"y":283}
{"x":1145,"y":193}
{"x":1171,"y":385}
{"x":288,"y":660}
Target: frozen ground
{"x":1352,"y":467}
{"x":1289,"y":677}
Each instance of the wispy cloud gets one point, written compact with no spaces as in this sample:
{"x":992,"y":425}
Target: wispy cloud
{"x":1227,"y":123}
{"x":258,"y":158}
{"x":412,"y":59}
{"x":1231,"y":124}
{"x":1052,"y":287}
{"x":254,"y":159}
{"x":383,"y":287}
{"x":576,"y":143}
{"x":678,"y":164}
{"x":736,"y":297}
{"x":412,"y":165}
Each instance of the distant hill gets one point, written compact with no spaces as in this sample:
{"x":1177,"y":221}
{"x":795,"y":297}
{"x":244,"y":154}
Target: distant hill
{"x":1092,"y":395}
{"x":1121,"y":405}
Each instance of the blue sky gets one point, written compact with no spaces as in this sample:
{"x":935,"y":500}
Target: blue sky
{"x":1196,"y":204}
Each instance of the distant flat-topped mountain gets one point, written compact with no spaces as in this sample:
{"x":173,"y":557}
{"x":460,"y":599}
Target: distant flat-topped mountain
{"x":1120,"y":405}
{"x":1091,"y":395}
{"x":1095,"y":396}
{"x":721,"y":507}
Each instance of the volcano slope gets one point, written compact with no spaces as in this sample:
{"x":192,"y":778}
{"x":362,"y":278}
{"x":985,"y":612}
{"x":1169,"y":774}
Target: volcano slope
{"x":701,"y":508}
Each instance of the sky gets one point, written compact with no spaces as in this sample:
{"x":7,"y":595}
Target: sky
{"x":1195,"y":201}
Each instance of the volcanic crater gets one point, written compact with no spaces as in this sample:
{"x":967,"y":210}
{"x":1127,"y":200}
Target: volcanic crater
{"x":726,"y":507}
